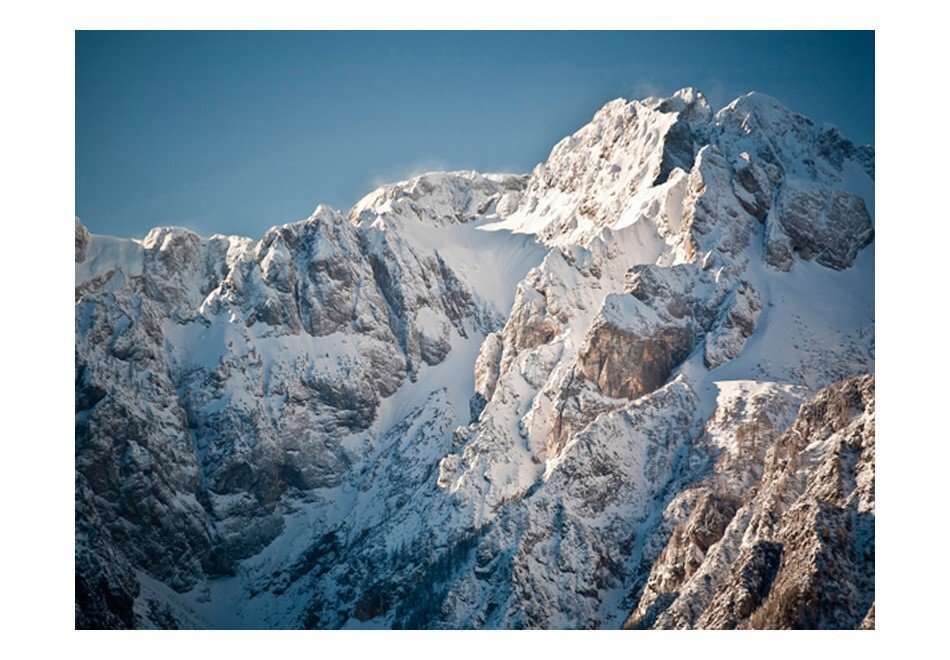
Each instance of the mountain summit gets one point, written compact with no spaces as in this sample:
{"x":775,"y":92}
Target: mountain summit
{"x":633,"y":388}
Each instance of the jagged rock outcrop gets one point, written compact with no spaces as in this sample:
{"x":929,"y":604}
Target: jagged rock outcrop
{"x":795,"y":551}
{"x":735,"y":324}
{"x":213,"y":376}
{"x":598,"y":395}
{"x":82,"y":241}
{"x":830,"y":226}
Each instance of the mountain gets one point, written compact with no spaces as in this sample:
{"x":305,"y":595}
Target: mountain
{"x":633,"y":388}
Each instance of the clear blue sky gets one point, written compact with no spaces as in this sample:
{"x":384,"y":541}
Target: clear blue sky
{"x":234,"y":132}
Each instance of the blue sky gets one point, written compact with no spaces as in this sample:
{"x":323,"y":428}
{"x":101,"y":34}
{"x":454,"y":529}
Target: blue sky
{"x":234,"y":132}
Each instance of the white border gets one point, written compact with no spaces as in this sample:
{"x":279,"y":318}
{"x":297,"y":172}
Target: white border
{"x":37,"y":52}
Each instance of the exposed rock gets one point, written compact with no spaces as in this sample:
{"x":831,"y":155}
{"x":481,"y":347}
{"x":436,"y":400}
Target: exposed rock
{"x":530,"y":325}
{"x":678,"y":151}
{"x":743,"y":590}
{"x":736,"y":324}
{"x":830,"y":227}
{"x":634,"y":358}
{"x":82,"y":241}
{"x":799,"y":551}
{"x":755,"y":185}
{"x":487,"y":366}
{"x":688,"y":544}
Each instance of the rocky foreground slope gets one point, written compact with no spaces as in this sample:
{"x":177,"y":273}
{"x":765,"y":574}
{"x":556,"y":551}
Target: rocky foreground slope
{"x":630,"y":389}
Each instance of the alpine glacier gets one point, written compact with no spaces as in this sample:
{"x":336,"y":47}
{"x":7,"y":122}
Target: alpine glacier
{"x":633,"y":388}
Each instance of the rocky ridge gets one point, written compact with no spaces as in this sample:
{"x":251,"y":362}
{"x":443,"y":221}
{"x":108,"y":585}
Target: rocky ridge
{"x":603,"y":394}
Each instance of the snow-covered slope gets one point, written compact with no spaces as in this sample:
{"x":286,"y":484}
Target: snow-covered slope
{"x":567,"y":399}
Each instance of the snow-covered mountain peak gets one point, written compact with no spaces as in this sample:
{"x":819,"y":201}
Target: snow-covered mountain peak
{"x":440,"y":197}
{"x":638,"y":157}
{"x":690,"y":103}
{"x":563,"y":399}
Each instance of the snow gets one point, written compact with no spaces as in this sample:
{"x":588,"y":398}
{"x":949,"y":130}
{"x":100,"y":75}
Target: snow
{"x":489,"y":258}
{"x":557,"y":248}
{"x":454,"y":375}
{"x":125,"y":256}
{"x":808,"y":312}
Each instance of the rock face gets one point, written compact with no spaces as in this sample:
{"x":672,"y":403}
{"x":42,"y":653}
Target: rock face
{"x":794,"y":551}
{"x":599,"y":395}
{"x":628,"y":361}
{"x":830,"y":226}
